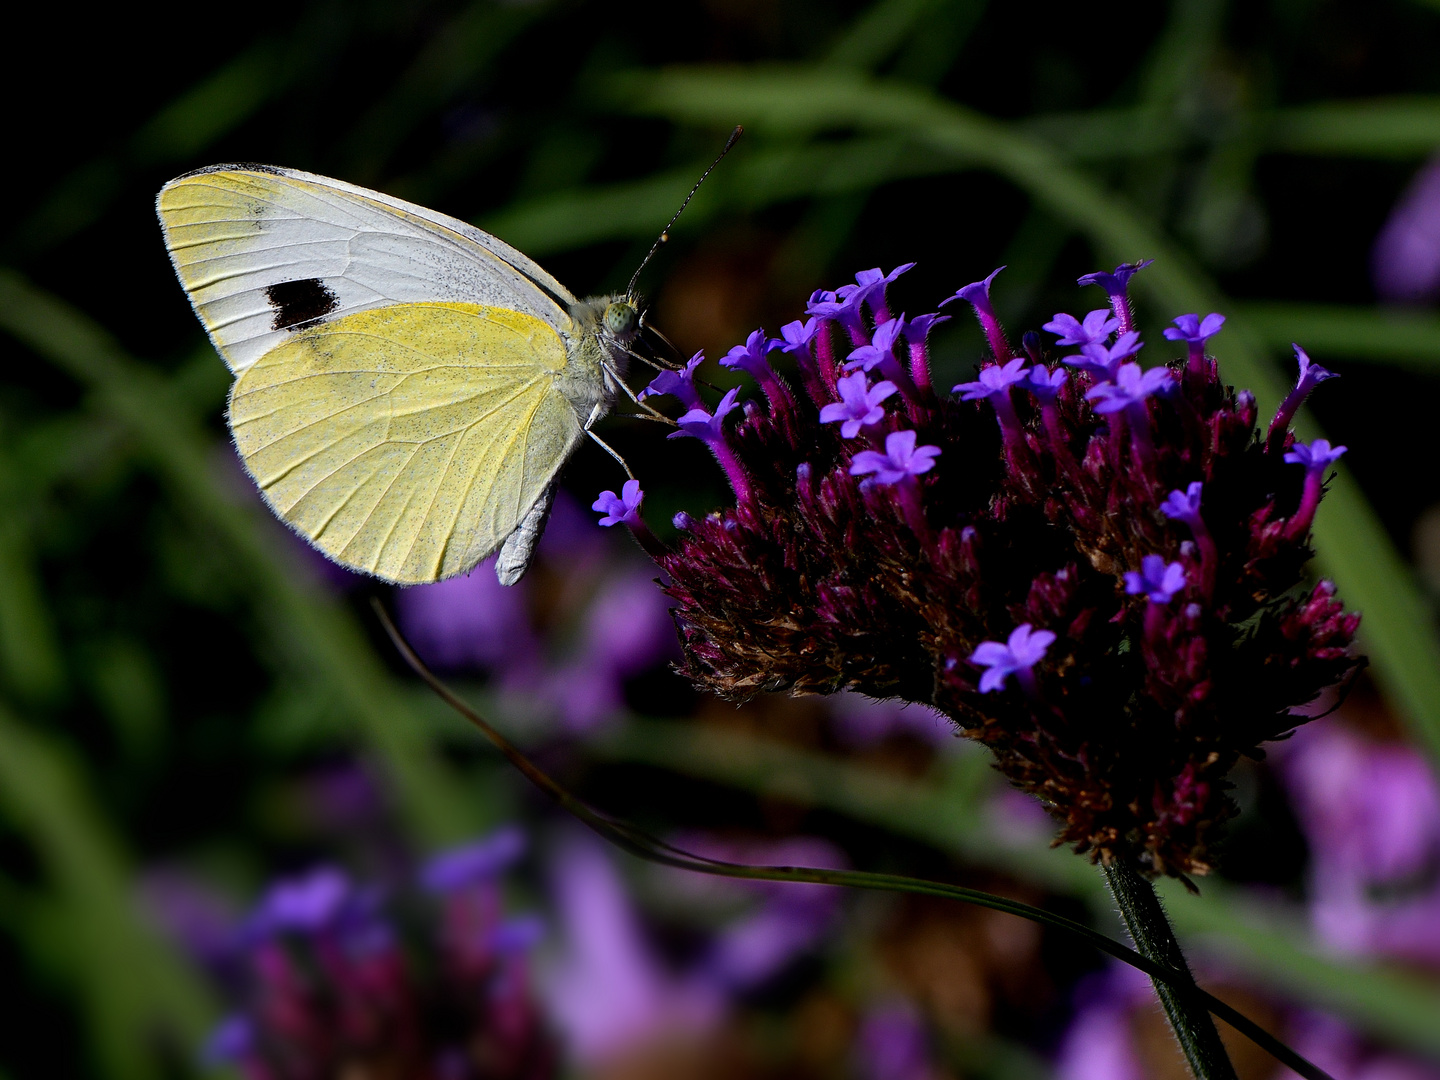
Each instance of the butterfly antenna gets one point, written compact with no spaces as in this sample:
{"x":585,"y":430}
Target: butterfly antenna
{"x":665,"y":232}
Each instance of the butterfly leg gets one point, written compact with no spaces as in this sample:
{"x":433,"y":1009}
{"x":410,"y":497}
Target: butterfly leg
{"x":595,"y":414}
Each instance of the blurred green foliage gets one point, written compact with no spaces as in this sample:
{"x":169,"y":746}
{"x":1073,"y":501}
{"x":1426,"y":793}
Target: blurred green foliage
{"x":168,"y":659}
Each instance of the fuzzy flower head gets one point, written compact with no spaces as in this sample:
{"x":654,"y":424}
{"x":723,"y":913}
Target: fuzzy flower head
{"x":330,"y":979}
{"x":1058,"y":550}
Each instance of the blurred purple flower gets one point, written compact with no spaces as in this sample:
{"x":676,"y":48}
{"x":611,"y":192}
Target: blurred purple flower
{"x":1371,"y":812}
{"x":466,"y":622}
{"x":1156,"y":579}
{"x":1405,"y":259}
{"x":1099,"y":1044}
{"x":479,"y":860}
{"x":861,"y":721}
{"x":893,"y":1044}
{"x":608,"y":992}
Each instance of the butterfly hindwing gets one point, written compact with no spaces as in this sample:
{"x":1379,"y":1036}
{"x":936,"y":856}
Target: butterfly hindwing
{"x":407,"y":441}
{"x":265,"y":252}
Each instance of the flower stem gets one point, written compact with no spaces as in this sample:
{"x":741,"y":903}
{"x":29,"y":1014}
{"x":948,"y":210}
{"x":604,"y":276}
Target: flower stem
{"x":1154,"y":939}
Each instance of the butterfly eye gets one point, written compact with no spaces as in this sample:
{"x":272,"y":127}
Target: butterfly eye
{"x":620,"y":318}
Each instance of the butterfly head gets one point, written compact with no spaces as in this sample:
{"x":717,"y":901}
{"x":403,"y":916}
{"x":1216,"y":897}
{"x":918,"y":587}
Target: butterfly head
{"x":622,"y":319}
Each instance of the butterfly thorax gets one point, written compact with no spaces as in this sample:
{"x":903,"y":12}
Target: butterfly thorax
{"x":602,"y":328}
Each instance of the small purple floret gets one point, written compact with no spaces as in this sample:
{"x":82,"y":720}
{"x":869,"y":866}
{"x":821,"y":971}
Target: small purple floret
{"x":1316,"y":456}
{"x":750,"y":357}
{"x":1311,"y":376}
{"x":993,"y":379}
{"x":1115,"y":283}
{"x":1184,"y":505}
{"x":1097,"y":326}
{"x":1131,"y":387}
{"x":1156,"y":579}
{"x":303,"y":904}
{"x":470,"y":864}
{"x":679,"y":384}
{"x":1025,"y":648}
{"x":1103,"y":361}
{"x":622,"y":509}
{"x":901,"y":460}
{"x":1192,"y":329}
{"x":977,"y":295}
{"x":706,"y":426}
{"x":859,"y":405}
{"x":1044,"y":383}
{"x":881,"y":350}
{"x":795,"y":337}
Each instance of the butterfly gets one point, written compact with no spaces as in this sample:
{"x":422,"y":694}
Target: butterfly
{"x":407,"y":387}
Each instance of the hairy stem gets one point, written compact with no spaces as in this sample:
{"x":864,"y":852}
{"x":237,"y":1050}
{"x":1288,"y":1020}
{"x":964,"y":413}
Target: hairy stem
{"x":1154,"y":939}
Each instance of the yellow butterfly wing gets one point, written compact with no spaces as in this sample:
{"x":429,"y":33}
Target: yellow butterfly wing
{"x":408,"y":441}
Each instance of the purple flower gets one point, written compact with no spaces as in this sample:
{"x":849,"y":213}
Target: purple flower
{"x":1098,"y":325}
{"x":1316,"y":456}
{"x":880,"y":352}
{"x":1025,"y":648}
{"x":901,"y":460}
{"x":1102,"y":360}
{"x":480,"y":860}
{"x":231,"y":1041}
{"x":893,"y":1044}
{"x":977,"y":295}
{"x":994,"y":380}
{"x":1045,"y":384}
{"x":1115,"y":283}
{"x":918,"y":328}
{"x":679,"y":384}
{"x":1183,"y":505}
{"x":859,"y":405}
{"x":1405,"y":261}
{"x":303,"y":904}
{"x":795,"y":337}
{"x":1192,"y":329}
{"x":1130,"y":388}
{"x":750,"y":357}
{"x":706,"y":426}
{"x":622,"y":509}
{"x":1311,"y":376}
{"x":1156,"y":579}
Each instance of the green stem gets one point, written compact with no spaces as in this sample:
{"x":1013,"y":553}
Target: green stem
{"x":1154,"y":939}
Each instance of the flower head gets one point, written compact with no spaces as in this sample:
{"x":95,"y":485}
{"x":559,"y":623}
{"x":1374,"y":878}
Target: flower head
{"x":1025,"y":648}
{"x":1095,"y":330}
{"x":1156,"y":579}
{"x":901,"y":460}
{"x":859,"y":405}
{"x":622,"y":509}
{"x":836,"y":569}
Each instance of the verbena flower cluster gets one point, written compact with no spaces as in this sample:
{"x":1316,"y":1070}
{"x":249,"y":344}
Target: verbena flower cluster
{"x":338,"y":979}
{"x":1094,"y":568}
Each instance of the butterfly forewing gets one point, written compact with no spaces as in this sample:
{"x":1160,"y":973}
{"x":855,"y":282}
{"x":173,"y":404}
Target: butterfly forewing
{"x":407,"y":441}
{"x":264,"y":252}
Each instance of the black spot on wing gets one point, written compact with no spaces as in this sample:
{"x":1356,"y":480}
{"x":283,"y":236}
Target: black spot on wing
{"x":298,"y":303}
